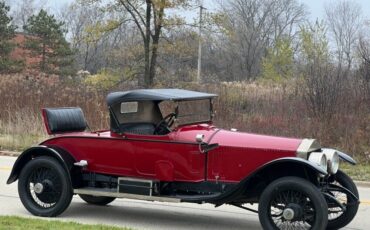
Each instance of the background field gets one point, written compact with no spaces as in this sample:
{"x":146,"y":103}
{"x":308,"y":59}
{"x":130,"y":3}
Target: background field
{"x":251,"y":107}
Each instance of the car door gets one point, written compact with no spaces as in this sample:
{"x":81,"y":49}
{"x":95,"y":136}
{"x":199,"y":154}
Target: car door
{"x":162,"y":158}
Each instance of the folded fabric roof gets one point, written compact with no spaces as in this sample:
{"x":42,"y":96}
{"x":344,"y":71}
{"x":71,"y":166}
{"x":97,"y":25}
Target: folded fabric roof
{"x":156,"y":95}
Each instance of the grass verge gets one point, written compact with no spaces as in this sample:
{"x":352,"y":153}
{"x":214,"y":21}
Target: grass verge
{"x":19,"y":142}
{"x":360,"y":172}
{"x":15,"y":223}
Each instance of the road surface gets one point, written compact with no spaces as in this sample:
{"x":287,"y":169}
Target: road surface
{"x":154,"y":215}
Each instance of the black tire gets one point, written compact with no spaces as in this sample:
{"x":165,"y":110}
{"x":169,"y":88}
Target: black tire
{"x":337,"y":222}
{"x":288,"y":194}
{"x":44,"y":187}
{"x":97,"y":200}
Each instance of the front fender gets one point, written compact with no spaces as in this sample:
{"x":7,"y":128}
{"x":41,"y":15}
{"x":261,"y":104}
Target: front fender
{"x":244,"y":185}
{"x":65,"y":159}
{"x":297,"y":160}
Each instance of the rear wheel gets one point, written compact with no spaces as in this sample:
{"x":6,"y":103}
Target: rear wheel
{"x":97,"y":200}
{"x":44,"y":187}
{"x":338,"y":218}
{"x":292,"y":203}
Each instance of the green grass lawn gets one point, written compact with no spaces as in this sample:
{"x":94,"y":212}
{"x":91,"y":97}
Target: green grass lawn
{"x":15,"y":223}
{"x":360,"y":172}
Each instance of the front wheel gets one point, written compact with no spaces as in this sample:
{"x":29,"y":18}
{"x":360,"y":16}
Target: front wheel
{"x":97,"y":200}
{"x":292,"y":203}
{"x":44,"y":187}
{"x":338,"y":218}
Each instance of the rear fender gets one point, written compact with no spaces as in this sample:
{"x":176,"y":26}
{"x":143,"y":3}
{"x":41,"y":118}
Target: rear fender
{"x":63,"y":157}
{"x":251,"y":185}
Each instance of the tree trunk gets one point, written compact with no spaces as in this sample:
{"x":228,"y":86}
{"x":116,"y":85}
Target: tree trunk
{"x":157,"y":32}
{"x":147,"y":63}
{"x":147,"y":81}
{"x":153,"y":63}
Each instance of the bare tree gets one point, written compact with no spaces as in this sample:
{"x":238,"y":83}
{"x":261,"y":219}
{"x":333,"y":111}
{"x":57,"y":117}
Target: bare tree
{"x":364,"y":69}
{"x":254,"y":25}
{"x":23,"y":9}
{"x":148,"y":17}
{"x":344,"y":22}
{"x":89,"y":33}
{"x":322,"y":85}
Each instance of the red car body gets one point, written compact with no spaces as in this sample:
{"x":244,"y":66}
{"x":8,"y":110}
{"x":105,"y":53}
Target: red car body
{"x":147,"y":154}
{"x":176,"y":156}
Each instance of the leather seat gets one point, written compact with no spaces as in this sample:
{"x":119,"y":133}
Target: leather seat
{"x":69,"y":119}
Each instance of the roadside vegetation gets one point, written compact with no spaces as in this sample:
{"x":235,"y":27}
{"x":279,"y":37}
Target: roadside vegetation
{"x":360,"y":172}
{"x":276,"y":72}
{"x":19,"y":223}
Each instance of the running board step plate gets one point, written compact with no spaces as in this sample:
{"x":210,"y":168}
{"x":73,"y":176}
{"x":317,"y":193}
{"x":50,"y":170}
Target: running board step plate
{"x":135,"y":186}
{"x":114,"y":193}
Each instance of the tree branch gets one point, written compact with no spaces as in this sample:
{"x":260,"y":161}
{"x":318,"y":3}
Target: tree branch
{"x":134,"y":18}
{"x":136,"y":11}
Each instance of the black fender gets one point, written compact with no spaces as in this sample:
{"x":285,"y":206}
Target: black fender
{"x":346,"y":158}
{"x":239,"y":190}
{"x":62,"y":156}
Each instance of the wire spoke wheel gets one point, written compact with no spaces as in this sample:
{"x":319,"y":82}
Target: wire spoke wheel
{"x":292,"y":203}
{"x":292,"y":209}
{"x":44,"y":187}
{"x":334,"y":211}
{"x":337,"y":217}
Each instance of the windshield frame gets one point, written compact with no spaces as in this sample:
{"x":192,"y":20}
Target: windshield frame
{"x":209,"y":120}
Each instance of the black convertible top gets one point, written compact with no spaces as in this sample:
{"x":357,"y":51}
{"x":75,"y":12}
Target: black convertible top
{"x":156,"y":95}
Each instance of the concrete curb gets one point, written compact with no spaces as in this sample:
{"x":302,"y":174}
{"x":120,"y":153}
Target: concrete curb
{"x":9,"y":153}
{"x":363,"y":184}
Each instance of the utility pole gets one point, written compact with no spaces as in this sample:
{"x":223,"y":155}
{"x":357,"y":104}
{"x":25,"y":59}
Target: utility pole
{"x":200,"y":42}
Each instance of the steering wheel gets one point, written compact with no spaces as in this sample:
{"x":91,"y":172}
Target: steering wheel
{"x":165,"y":124}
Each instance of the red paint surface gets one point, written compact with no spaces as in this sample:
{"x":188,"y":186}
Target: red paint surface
{"x":176,"y":157}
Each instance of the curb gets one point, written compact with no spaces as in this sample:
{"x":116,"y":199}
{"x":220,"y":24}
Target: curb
{"x":363,"y":184}
{"x":9,"y":153}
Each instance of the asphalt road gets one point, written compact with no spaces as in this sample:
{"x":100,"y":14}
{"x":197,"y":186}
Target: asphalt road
{"x":154,"y":215}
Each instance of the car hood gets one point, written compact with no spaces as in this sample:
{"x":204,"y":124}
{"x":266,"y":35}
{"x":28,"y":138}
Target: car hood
{"x":254,"y":141}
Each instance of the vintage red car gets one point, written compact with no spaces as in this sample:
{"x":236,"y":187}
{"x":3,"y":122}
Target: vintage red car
{"x":163,"y":146}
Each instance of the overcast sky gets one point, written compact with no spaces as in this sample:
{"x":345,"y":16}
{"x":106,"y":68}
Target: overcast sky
{"x":315,"y":7}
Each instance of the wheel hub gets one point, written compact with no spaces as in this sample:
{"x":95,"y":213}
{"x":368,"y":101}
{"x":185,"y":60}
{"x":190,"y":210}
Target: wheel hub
{"x":288,"y":214}
{"x":38,"y":188}
{"x":292,"y":212}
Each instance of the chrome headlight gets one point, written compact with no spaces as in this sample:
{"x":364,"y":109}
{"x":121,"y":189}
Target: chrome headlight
{"x":333,"y":160}
{"x":319,"y":158}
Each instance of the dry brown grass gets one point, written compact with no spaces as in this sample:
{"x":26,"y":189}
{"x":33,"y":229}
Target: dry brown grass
{"x":267,"y":109}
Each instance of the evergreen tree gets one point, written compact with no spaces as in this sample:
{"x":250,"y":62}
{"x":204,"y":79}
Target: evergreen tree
{"x":7,"y":33}
{"x":46,"y":41}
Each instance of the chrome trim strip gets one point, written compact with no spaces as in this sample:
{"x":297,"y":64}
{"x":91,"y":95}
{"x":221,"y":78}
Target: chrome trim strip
{"x":114,"y":193}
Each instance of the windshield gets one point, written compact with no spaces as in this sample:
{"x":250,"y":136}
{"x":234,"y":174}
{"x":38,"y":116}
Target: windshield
{"x":189,"y":112}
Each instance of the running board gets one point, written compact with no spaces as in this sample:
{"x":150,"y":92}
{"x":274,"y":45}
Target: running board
{"x":114,"y":193}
